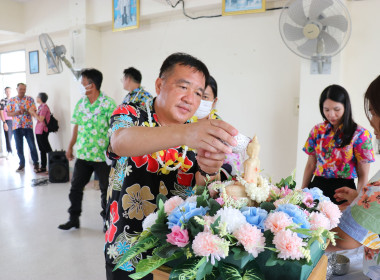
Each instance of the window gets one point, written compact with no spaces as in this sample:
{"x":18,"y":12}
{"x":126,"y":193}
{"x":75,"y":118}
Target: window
{"x":12,"y":70}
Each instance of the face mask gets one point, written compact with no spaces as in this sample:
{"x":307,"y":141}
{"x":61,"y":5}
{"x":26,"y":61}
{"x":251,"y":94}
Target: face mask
{"x":204,"y":109}
{"x":83,"y":89}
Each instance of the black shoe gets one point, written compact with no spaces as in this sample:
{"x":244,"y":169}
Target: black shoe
{"x":20,"y":168}
{"x":36,"y":167}
{"x":70,"y":224}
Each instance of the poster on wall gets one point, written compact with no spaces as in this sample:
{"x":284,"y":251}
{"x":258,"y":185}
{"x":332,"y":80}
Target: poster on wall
{"x":236,"y":7}
{"x":125,"y":14}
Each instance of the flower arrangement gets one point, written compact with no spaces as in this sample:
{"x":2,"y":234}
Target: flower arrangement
{"x":222,"y":237}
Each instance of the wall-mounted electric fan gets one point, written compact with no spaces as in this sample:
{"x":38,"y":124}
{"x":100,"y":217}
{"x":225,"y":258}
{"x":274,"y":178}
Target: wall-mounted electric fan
{"x":315,"y":29}
{"x":55,"y":54}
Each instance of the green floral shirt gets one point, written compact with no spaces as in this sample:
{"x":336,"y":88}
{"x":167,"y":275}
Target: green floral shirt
{"x":93,"y":121}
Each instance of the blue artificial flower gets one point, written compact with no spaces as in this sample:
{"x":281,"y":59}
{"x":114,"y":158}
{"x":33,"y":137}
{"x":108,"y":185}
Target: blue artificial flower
{"x":297,"y":215}
{"x":184,"y":212}
{"x":255,"y":216}
{"x":317,"y":194}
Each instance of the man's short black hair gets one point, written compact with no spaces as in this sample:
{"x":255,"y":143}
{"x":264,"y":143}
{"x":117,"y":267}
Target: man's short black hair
{"x":134,"y":74}
{"x":93,"y":76}
{"x":183,"y":59}
{"x":43,"y":96}
{"x":6,"y":88}
{"x":21,"y":84}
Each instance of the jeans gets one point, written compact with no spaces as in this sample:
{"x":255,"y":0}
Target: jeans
{"x":19,"y":134}
{"x":83,"y":170}
{"x":43,"y":146}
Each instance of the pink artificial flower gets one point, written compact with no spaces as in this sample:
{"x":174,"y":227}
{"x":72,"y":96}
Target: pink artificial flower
{"x":308,"y":199}
{"x":289,"y":245}
{"x":285,"y":191}
{"x":208,"y":221}
{"x":331,"y":211}
{"x":318,"y":220}
{"x":277,"y":221}
{"x":220,"y":201}
{"x":279,"y":201}
{"x":178,"y":236}
{"x":251,"y":238}
{"x":172,"y":203}
{"x":206,"y":244}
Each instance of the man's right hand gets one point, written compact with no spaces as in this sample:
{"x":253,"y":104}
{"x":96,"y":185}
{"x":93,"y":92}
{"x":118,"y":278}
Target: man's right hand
{"x":211,"y":136}
{"x":69,"y":154}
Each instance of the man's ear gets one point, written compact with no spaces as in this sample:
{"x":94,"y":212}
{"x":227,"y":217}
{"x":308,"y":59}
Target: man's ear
{"x":159,"y":83}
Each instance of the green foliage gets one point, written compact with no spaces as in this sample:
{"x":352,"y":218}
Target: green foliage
{"x":187,"y":270}
{"x":142,"y":246}
{"x":267,"y":206}
{"x":194,"y":227}
{"x":146,"y":266}
{"x":288,"y":181}
{"x":229,"y":271}
{"x":215,"y":226}
{"x":206,"y":268}
{"x":214,"y":206}
{"x":160,"y":231}
{"x":166,"y":250}
{"x":250,"y":272}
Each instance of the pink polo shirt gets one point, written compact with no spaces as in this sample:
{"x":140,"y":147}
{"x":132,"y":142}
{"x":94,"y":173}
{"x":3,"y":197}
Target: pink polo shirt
{"x":43,"y":110}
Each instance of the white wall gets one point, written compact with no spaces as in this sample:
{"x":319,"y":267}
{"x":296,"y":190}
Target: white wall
{"x":258,"y":77}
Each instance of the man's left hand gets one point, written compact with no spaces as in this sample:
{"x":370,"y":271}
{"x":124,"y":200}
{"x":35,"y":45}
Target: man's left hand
{"x":210,"y":162}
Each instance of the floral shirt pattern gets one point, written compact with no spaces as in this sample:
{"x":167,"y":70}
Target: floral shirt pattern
{"x":361,"y":221}
{"x":137,"y":96}
{"x":136,"y":181}
{"x":24,"y":120}
{"x":336,"y":162}
{"x":93,"y":121}
{"x":3,"y":107}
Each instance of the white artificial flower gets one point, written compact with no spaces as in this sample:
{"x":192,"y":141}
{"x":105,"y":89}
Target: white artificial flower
{"x":150,"y":220}
{"x":192,"y":198}
{"x":112,"y":251}
{"x":232,"y":217}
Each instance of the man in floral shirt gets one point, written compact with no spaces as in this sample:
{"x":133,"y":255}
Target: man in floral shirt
{"x":132,"y":83}
{"x":22,"y":125}
{"x":153,"y":149}
{"x":91,"y":120}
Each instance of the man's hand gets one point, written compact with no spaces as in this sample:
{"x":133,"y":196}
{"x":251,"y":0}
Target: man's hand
{"x":210,"y":162}
{"x":345,"y":193}
{"x":210,"y":137}
{"x":69,"y":154}
{"x":5,"y":125}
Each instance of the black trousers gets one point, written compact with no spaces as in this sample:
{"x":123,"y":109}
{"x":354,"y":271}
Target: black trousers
{"x":328,"y":186}
{"x":83,"y":170}
{"x":120,"y":274}
{"x":43,"y":146}
{"x":8,"y":136}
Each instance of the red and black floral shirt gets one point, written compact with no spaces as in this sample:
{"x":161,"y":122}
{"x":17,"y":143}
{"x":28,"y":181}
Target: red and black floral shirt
{"x":136,"y":181}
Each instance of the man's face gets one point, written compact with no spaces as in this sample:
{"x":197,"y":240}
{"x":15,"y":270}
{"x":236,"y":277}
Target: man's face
{"x":87,"y":84}
{"x":179,"y":93}
{"x":8,"y":92}
{"x":21,"y":90}
{"x":126,"y":81}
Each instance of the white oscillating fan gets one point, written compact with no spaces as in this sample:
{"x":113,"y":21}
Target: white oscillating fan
{"x":56,"y":54}
{"x":315,"y":29}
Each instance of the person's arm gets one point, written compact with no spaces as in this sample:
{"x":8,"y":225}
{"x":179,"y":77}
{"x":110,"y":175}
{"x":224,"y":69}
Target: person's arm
{"x":35,"y":115}
{"x":363,"y":170}
{"x":206,"y":135}
{"x":69,"y":153}
{"x":345,"y":242}
{"x":14,"y":113}
{"x":5,"y":125}
{"x":309,"y":170}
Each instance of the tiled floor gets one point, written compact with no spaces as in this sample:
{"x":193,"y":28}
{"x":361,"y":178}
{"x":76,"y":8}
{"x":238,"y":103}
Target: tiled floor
{"x":31,"y":245}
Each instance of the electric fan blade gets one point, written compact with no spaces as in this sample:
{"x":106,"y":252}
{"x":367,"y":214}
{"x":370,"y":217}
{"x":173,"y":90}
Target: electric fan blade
{"x":337,"y":21}
{"x":296,"y":12}
{"x":309,"y":48}
{"x":318,"y":6}
{"x":331,"y":45}
{"x":293,"y":33}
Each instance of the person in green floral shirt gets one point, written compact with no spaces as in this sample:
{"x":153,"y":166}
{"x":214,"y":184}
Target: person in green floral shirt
{"x":91,"y":121}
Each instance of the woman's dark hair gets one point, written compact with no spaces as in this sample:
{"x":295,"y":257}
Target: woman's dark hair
{"x":43,"y":96}
{"x":372,"y":96}
{"x":183,"y":59}
{"x":213,"y":85}
{"x":93,"y":76}
{"x":339,"y":94}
